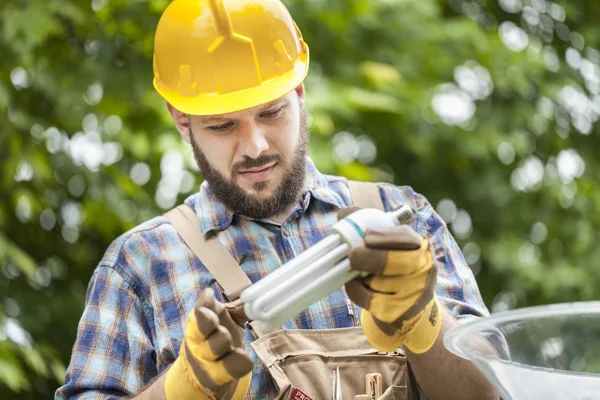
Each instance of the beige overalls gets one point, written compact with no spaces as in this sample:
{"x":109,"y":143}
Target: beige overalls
{"x":303,"y":362}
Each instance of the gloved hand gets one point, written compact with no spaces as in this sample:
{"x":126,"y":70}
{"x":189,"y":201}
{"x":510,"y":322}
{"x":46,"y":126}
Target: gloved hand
{"x":397,"y":295}
{"x":212,"y":362}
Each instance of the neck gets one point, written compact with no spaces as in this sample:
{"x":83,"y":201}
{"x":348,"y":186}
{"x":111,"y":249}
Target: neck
{"x":282,"y":216}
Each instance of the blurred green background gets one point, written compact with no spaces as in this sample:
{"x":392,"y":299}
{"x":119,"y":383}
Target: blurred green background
{"x":487,"y":107}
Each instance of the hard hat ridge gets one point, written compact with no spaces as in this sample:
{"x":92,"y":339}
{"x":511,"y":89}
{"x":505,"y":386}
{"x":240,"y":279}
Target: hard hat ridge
{"x":220,"y":56}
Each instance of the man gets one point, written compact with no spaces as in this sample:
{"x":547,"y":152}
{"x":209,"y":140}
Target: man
{"x":156,"y":323}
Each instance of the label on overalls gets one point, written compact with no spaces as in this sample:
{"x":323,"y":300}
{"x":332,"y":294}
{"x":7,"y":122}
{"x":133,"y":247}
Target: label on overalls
{"x":298,"y":394}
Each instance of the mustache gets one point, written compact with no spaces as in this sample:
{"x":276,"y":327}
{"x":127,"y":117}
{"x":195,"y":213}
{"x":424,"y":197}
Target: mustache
{"x":255,"y":162}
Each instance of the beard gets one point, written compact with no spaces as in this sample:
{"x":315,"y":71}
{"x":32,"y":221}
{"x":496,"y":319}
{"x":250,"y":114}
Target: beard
{"x":238,"y":200}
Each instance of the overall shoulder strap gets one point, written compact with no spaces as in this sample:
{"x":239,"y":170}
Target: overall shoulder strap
{"x":215,"y":257}
{"x":219,"y":262}
{"x":365,"y":195}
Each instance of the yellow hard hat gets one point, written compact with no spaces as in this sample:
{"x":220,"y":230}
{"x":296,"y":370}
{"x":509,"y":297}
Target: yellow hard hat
{"x":219,"y":56}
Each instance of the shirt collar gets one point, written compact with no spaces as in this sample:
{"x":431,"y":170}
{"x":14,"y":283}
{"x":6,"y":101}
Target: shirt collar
{"x":319,"y":186}
{"x":214,"y":215}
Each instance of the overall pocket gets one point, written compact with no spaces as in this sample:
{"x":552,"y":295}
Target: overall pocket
{"x":303,"y":363}
{"x":395,"y":393}
{"x":314,"y":374}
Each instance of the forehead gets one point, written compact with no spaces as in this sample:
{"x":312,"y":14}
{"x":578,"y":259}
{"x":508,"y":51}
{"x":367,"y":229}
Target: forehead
{"x":249,"y":112}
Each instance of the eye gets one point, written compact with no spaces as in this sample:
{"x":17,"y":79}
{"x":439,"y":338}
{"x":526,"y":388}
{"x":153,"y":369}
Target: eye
{"x":221,"y":128}
{"x":272,"y":113}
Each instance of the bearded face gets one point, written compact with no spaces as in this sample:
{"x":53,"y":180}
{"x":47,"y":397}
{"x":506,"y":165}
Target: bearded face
{"x":268,"y":184}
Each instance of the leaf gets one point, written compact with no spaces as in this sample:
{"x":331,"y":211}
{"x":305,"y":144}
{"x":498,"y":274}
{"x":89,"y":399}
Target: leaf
{"x":380,"y":74}
{"x":58,"y":369}
{"x":22,"y":260}
{"x":70,"y":10}
{"x":32,"y":23}
{"x":4,"y":97}
{"x":12,"y":374}
{"x":140,"y":146}
{"x":356,"y":171}
{"x":373,"y":101}
{"x":35,"y":360}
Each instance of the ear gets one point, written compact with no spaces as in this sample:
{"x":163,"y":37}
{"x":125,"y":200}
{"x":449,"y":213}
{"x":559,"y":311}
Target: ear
{"x":181,"y":121}
{"x":301,"y":93}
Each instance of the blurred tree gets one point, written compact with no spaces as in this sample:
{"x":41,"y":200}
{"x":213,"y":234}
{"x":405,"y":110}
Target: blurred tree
{"x":488,"y":108}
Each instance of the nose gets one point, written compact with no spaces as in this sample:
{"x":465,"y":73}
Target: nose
{"x":252,"y":141}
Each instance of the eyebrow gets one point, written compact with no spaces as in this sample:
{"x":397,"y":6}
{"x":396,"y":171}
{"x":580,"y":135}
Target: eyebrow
{"x":213,"y":119}
{"x":216,"y":118}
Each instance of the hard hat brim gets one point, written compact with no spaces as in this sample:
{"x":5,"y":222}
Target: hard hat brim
{"x":216,"y":103}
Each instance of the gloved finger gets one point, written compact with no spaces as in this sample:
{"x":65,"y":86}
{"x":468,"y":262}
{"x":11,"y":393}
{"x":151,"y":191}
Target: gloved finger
{"x":359,"y":293}
{"x":217,"y":345}
{"x":372,"y":261}
{"x":407,"y":302}
{"x":236,"y":310}
{"x":400,"y":237}
{"x":382,"y":336}
{"x":205,"y":336}
{"x":208,"y":300}
{"x":234,"y":329}
{"x":202,"y":323}
{"x":213,"y":348}
{"x":409,"y":285}
{"x":384,"y":305}
{"x":409,"y":262}
{"x":390,"y":262}
{"x":213,"y":374}
{"x":237,"y":363}
{"x":344,"y":212}
{"x":384,"y":327}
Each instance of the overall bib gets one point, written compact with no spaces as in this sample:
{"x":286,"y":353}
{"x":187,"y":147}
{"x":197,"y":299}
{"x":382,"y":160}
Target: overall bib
{"x":303,"y":362}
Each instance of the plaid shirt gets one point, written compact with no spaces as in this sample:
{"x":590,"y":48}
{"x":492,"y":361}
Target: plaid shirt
{"x":148,"y":281}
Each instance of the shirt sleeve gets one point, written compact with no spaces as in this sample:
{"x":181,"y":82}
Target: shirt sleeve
{"x":456,"y":285}
{"x":113,"y":356}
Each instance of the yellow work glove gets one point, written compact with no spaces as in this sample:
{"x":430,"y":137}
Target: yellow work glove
{"x":212,"y":362}
{"x":397,"y":295}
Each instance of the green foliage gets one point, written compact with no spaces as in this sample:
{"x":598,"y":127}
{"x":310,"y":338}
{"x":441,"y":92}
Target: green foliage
{"x":499,"y":134}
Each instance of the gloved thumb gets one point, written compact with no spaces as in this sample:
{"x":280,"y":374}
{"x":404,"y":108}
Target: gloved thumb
{"x":236,"y":310}
{"x":382,"y":336}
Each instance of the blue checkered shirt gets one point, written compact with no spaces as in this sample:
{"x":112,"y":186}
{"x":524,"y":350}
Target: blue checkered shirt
{"x":148,"y":281}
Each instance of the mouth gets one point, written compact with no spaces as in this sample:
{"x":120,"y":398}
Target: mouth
{"x":258,"y":174}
